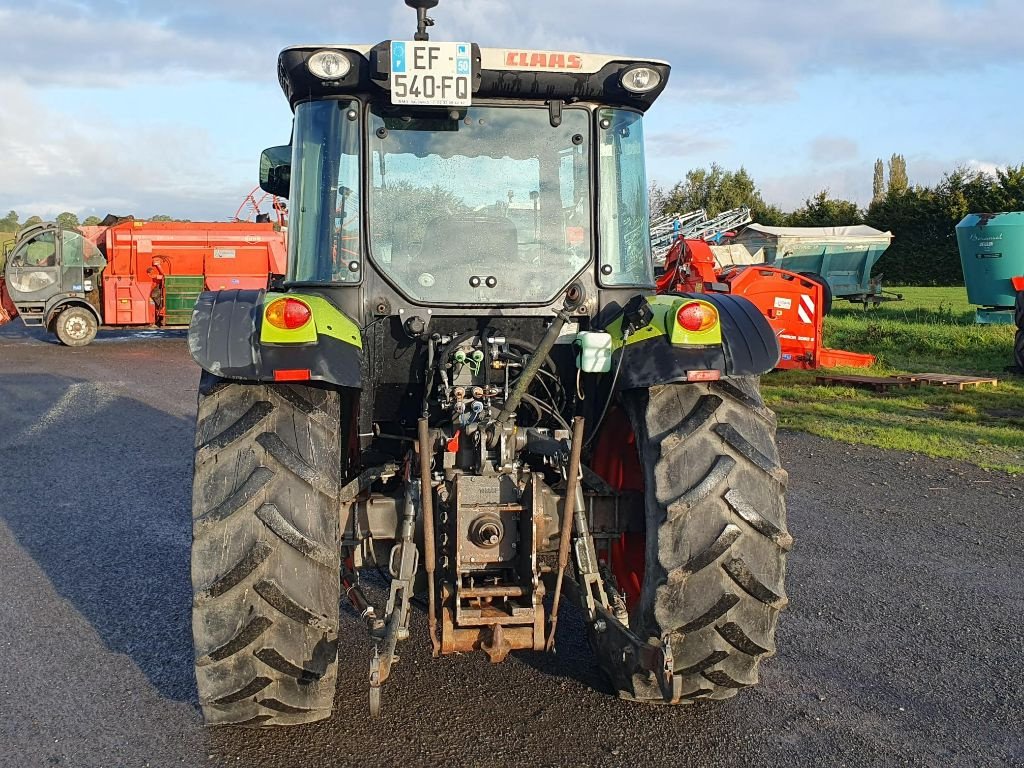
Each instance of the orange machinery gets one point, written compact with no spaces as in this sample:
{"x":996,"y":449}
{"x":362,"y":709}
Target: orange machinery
{"x":793,"y":303}
{"x":155,"y":270}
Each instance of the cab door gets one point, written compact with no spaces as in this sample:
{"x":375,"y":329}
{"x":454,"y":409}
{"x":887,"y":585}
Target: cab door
{"x":80,"y":262}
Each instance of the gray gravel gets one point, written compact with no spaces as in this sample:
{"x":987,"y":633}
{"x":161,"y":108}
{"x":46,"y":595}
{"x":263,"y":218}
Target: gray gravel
{"x":902,"y":644}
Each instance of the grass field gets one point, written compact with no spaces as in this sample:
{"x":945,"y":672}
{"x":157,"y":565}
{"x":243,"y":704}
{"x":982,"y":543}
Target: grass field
{"x":932,"y":330}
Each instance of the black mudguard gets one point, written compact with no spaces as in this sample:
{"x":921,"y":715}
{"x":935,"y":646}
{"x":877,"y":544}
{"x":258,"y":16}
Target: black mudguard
{"x":749,"y":348}
{"x":224,"y":339}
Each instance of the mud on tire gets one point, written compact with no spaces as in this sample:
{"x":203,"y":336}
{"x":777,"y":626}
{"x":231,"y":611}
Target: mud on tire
{"x":265,"y":559}
{"x":716,"y":532}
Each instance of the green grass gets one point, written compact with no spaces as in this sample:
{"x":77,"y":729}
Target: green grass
{"x":932,"y":330}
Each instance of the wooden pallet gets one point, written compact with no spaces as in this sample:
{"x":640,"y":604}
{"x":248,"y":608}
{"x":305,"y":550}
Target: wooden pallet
{"x":948,"y":380}
{"x":876,"y":383}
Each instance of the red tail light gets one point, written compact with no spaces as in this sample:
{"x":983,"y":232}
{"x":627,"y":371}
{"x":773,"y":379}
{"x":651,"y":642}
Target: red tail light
{"x":288,"y":314}
{"x":696,"y":316}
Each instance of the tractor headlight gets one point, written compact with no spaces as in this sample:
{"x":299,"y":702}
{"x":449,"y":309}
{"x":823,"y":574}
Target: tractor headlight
{"x":641,"y":79}
{"x":329,"y":65}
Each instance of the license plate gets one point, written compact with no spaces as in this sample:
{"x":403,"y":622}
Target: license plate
{"x":431,"y":74}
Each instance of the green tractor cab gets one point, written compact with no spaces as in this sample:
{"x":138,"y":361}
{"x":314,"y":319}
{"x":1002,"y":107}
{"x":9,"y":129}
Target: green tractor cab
{"x":467,"y":380}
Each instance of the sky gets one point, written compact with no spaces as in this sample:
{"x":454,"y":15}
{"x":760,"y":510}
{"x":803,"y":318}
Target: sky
{"x":143,"y":107}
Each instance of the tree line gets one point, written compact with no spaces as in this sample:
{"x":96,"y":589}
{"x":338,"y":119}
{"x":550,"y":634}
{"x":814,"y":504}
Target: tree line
{"x":922,"y":218}
{"x":12,"y":223}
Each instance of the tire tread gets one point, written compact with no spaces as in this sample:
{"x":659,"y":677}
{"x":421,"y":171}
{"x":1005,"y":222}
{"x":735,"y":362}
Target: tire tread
{"x":717,"y":537}
{"x":265,"y":557}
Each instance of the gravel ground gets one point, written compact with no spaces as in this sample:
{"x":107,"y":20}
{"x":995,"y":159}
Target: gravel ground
{"x":902,"y":644}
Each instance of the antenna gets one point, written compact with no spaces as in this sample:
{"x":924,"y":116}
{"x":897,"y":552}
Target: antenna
{"x":422,"y":20}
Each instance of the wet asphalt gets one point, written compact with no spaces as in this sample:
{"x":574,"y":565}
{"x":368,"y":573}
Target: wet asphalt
{"x":902,"y":645}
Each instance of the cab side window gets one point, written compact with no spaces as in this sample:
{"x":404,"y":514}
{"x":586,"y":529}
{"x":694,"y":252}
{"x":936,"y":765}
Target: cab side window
{"x":41,"y":251}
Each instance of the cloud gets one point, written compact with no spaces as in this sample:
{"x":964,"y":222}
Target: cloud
{"x":849,"y":181}
{"x":829,"y":150}
{"x":758,"y":53}
{"x":94,"y":165}
{"x":768,"y":46}
{"x":986,"y":166}
{"x":927,"y":169}
{"x":853,"y":180}
{"x":682,"y":144}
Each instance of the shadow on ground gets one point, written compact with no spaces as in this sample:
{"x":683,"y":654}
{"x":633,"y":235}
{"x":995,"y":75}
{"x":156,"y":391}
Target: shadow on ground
{"x":100,"y":500}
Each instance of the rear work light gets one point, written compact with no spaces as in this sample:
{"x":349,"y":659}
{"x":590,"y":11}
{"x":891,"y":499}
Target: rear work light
{"x":641,"y":79}
{"x":697,"y":316}
{"x":329,"y":65}
{"x":288,"y":314}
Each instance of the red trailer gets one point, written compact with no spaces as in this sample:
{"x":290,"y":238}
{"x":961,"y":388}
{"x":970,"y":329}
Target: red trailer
{"x":794,"y":304}
{"x":133,"y":273}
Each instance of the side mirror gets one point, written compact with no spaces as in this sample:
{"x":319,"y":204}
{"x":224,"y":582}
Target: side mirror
{"x":276,"y":170}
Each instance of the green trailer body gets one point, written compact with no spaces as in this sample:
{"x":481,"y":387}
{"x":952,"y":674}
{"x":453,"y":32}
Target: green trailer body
{"x":992,"y":256}
{"x":180,"y":295}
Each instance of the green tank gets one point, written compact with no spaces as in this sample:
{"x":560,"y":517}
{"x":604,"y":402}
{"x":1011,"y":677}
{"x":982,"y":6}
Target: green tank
{"x":992,"y":255}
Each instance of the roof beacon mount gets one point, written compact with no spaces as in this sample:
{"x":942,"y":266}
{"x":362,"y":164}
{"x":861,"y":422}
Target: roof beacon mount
{"x":422,"y":6}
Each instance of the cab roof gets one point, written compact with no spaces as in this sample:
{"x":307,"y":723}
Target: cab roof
{"x":499,"y":73}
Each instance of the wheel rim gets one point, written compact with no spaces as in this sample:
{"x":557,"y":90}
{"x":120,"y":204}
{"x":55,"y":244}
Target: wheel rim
{"x":76,"y":327}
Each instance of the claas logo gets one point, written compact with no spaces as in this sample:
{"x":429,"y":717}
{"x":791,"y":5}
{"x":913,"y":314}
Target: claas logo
{"x":542,"y":60}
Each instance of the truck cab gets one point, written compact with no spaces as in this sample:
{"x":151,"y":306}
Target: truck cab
{"x":52,"y":270}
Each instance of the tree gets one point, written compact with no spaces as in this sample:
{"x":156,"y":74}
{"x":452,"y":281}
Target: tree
{"x":716,"y":190}
{"x":658,"y":198}
{"x":67,"y":220}
{"x":92,"y":221}
{"x":31,"y":220}
{"x":823,"y":210}
{"x":899,"y":182}
{"x":923,"y":220}
{"x":772,"y":216}
{"x":9,"y":223}
{"x":878,"y":184}
{"x":1011,"y":188}
{"x":162,"y":217}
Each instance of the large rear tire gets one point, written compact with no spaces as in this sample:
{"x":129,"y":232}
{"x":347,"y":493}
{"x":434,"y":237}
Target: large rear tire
{"x":265,"y":556}
{"x":716,"y":533}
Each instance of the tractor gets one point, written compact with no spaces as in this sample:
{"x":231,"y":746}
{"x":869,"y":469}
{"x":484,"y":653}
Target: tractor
{"x":466,"y":392}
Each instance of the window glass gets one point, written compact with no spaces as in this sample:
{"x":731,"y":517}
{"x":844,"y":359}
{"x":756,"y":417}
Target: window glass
{"x":490,"y":208}
{"x":40,"y":251}
{"x":31,"y":261}
{"x":324,"y":235}
{"x":76,"y":251}
{"x":624,"y":211}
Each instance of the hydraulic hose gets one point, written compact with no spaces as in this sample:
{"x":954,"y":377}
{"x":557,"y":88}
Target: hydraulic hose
{"x":533,"y":366}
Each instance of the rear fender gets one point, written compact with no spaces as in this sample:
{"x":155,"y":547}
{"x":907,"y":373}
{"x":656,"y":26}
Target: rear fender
{"x":226,"y":338}
{"x":743,"y":344}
